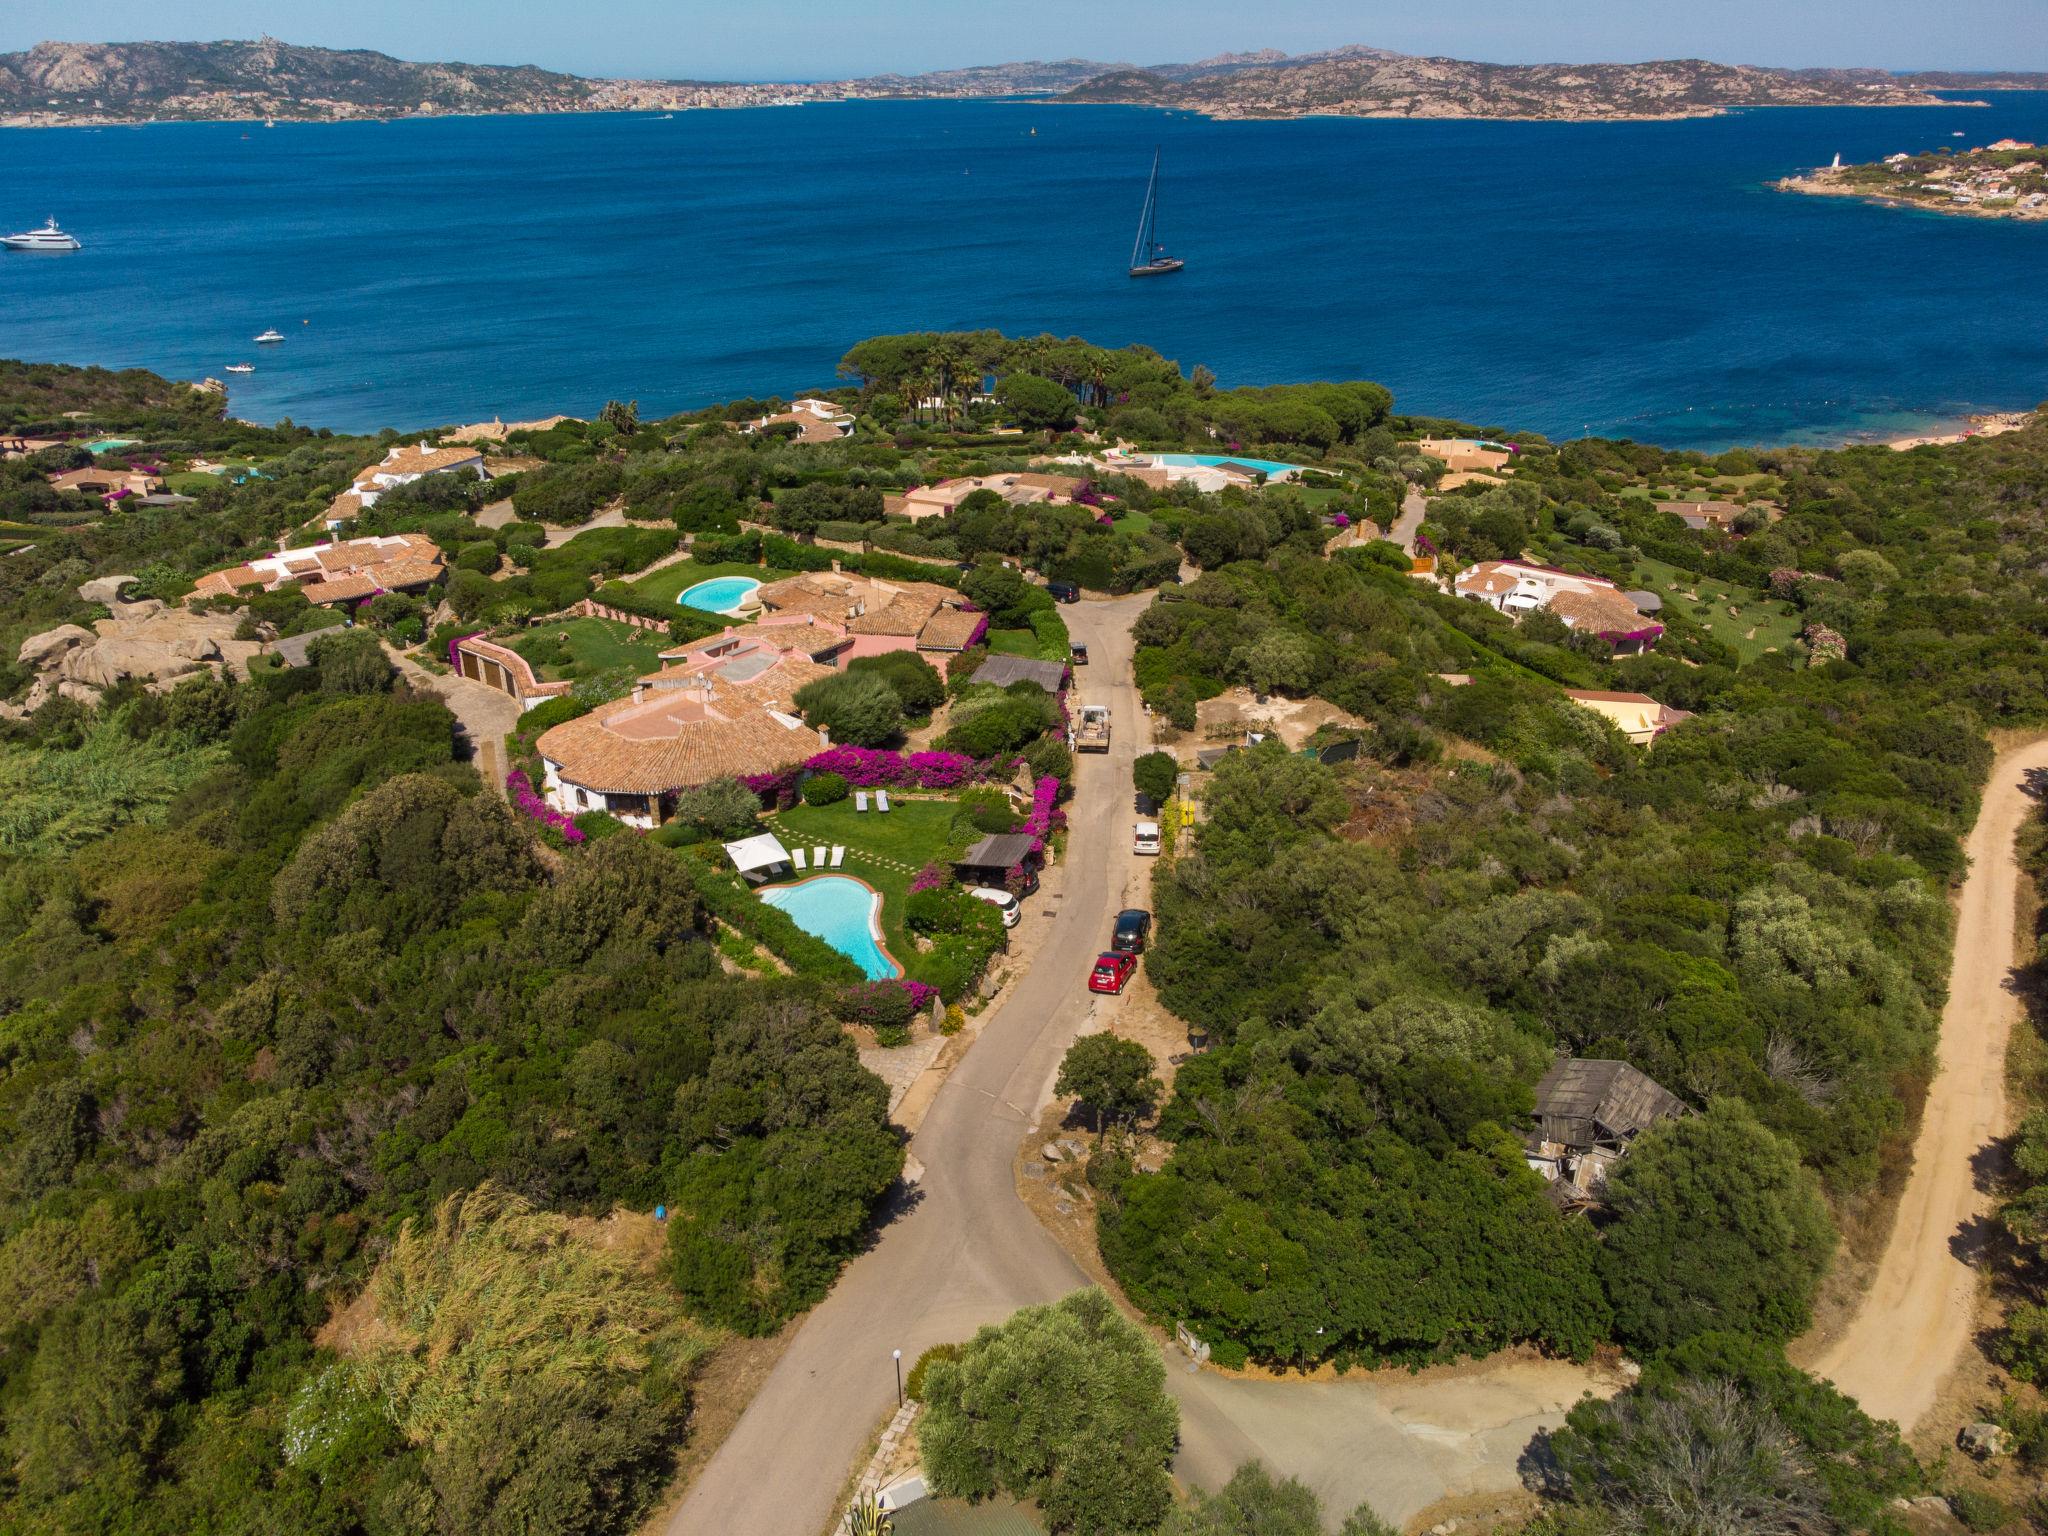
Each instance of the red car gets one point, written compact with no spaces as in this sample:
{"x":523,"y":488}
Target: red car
{"x":1112,"y":972}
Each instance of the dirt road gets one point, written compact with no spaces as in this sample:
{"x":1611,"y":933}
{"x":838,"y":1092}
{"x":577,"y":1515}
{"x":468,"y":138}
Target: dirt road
{"x":1414,"y":507}
{"x":1915,"y":1320}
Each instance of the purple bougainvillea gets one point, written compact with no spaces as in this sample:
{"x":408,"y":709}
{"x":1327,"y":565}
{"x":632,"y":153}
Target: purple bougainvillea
{"x":1046,"y":817}
{"x":525,"y":800}
{"x":930,"y":878}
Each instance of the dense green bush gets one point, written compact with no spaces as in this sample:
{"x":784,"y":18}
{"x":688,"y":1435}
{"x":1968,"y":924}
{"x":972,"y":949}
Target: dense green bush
{"x":824,"y":789}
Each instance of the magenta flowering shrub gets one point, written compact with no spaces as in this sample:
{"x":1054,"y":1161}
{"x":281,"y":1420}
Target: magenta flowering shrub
{"x":1424,"y":545}
{"x":455,"y":659}
{"x":921,"y":995}
{"x":931,"y":878}
{"x":1046,"y":817}
{"x":873,"y":768}
{"x":980,"y":633}
{"x":1086,"y":495}
{"x":1340,"y":520}
{"x":525,"y":800}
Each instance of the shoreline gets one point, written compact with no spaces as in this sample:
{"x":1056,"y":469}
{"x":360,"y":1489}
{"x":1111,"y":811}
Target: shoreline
{"x":1813,"y":186}
{"x":33,"y":120}
{"x":1982,"y":424}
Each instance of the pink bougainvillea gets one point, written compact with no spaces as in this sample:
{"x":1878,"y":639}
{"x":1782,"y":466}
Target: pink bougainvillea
{"x":1046,"y":817}
{"x":1339,"y":520}
{"x":526,"y":801}
{"x":455,"y":648}
{"x":980,"y":633}
{"x":930,"y":878}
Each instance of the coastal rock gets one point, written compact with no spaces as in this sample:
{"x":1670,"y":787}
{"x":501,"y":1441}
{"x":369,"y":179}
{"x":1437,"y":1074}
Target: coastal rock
{"x":104,"y":589}
{"x":39,"y":651}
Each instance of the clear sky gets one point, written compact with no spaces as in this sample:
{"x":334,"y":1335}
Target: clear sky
{"x":822,"y":39}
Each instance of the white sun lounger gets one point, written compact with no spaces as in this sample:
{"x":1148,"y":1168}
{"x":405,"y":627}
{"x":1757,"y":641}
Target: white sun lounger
{"x":796,"y":857}
{"x":860,"y":800}
{"x":881,"y":800}
{"x":818,"y":857}
{"x":838,"y":854}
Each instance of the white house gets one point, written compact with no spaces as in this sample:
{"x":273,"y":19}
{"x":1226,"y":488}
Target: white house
{"x":401,"y":466}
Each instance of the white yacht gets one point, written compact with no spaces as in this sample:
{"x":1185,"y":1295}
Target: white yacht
{"x":48,"y":238}
{"x":271,"y":335}
{"x":241,"y":368}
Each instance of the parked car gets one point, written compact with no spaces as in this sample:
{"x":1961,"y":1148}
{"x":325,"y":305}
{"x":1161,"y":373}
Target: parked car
{"x":1133,"y":928}
{"x":1077,"y":654}
{"x":1112,"y":972}
{"x":1145,"y":837}
{"x":1002,"y":901}
{"x":1063,"y":591}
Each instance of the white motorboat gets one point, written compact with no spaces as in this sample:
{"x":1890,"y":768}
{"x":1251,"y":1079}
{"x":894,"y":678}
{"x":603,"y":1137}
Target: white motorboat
{"x":241,"y":367}
{"x":271,"y":335}
{"x":48,"y":238}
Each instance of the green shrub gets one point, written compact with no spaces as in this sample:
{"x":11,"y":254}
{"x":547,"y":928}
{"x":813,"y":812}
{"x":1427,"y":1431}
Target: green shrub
{"x":1978,"y":1510}
{"x":913,"y":1384}
{"x":824,"y":789}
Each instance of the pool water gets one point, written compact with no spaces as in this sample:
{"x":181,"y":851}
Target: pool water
{"x":109,"y":444}
{"x":846,"y":913}
{"x":721,"y":594}
{"x":1273,"y":468}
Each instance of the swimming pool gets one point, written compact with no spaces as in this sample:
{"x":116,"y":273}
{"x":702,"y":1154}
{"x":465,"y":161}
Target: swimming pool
{"x":721,"y":594}
{"x":846,"y":913}
{"x":1274,"y":470}
{"x":109,"y":444}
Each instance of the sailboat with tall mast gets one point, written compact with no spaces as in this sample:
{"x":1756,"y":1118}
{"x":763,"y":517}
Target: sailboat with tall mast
{"x":1148,"y":256}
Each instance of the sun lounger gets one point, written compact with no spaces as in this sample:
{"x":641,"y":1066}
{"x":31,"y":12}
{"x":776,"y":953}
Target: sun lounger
{"x":860,"y":800}
{"x":818,"y":857}
{"x":796,"y":857}
{"x":838,"y":854}
{"x":881,"y":800}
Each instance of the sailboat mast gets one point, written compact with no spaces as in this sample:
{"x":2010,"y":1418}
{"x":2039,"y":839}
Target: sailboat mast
{"x":1145,"y":219}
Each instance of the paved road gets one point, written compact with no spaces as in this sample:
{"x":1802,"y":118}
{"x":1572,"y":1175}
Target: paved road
{"x":1413,"y":508}
{"x":487,"y":716}
{"x":1916,"y":1318}
{"x":966,"y":1251}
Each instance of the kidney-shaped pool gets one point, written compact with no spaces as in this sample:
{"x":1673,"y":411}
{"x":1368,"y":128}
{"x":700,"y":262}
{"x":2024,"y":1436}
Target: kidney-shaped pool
{"x":846,"y":913}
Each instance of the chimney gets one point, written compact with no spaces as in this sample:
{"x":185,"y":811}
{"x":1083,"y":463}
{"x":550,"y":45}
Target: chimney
{"x":835,"y":567}
{"x":824,"y":735}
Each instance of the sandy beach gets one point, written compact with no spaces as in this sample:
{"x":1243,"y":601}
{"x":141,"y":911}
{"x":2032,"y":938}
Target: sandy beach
{"x":1992,"y":425}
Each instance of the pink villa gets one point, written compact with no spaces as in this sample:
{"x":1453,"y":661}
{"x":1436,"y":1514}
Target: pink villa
{"x":335,"y":573}
{"x":874,"y":616}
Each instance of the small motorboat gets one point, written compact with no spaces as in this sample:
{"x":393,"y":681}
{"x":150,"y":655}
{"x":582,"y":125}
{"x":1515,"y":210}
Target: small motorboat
{"x":271,"y":335}
{"x":241,"y":367}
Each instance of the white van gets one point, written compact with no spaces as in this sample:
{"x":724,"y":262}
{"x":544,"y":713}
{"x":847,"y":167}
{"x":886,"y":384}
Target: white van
{"x":1145,"y":837}
{"x":1002,"y":901}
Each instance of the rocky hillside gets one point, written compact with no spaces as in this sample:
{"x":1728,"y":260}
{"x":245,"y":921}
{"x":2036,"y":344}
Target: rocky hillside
{"x":265,"y":78}
{"x":1371,"y":82}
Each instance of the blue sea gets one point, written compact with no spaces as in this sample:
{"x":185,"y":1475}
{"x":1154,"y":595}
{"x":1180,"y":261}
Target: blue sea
{"x":1629,"y":279}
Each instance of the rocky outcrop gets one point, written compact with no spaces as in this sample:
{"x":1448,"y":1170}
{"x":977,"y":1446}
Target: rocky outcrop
{"x":143,"y":639}
{"x":104,"y":589}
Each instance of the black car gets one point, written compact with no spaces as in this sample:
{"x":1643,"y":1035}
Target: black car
{"x":1133,"y":927}
{"x":1077,"y":653}
{"x":1063,"y":591}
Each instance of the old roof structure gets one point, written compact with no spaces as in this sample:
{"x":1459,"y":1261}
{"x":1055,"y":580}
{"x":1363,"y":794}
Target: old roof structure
{"x":950,"y":629}
{"x":1005,"y":670}
{"x":919,"y":611}
{"x":999,"y":850}
{"x":815,"y":639}
{"x":1582,"y":1102}
{"x":1600,"y":611}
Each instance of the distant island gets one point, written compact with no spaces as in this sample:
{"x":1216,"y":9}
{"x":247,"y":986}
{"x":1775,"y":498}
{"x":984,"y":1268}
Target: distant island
{"x":63,"y":84}
{"x":2006,"y":180}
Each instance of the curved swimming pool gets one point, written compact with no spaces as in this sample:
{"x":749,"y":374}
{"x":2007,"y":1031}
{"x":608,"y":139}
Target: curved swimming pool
{"x":721,"y":594}
{"x":846,"y":913}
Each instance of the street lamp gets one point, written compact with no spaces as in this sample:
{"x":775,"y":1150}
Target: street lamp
{"x":897,"y":1355}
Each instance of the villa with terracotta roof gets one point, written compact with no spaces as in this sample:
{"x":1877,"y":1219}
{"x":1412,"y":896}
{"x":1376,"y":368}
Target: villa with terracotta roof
{"x":335,"y":573}
{"x":1636,"y":715}
{"x":1588,"y":603}
{"x":401,"y":466}
{"x":769,"y":638}
{"x":107,"y":484}
{"x":879,"y":616}
{"x":816,"y":420}
{"x":1024,"y":488}
{"x":708,"y":717}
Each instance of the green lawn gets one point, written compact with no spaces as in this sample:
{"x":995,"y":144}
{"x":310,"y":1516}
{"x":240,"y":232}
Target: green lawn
{"x":1759,"y":623}
{"x":883,"y":850}
{"x":666,"y":584}
{"x":596,"y":648}
{"x":1133,"y":522}
{"x":1013,"y":642}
